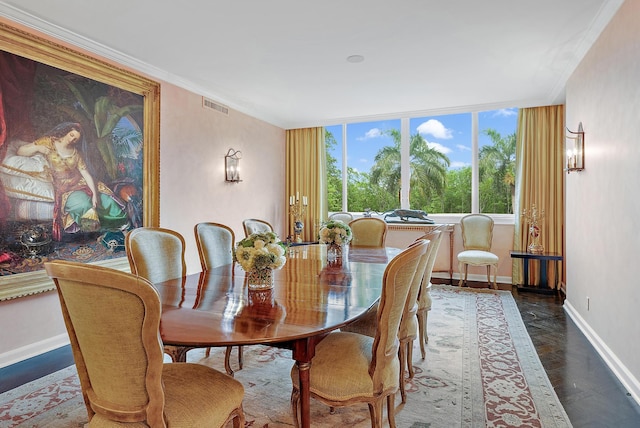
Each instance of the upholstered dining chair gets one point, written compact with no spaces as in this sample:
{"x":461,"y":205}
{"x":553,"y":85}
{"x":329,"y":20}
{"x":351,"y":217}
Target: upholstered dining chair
{"x":477,"y":234}
{"x":424,"y":294}
{"x":254,"y":225}
{"x":368,"y":232}
{"x":156,"y":254}
{"x":350,"y":368}
{"x":342,"y":216}
{"x":118,"y":355}
{"x":408,"y":332}
{"x":215,"y":243}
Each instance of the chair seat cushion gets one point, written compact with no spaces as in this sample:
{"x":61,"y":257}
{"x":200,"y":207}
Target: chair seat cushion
{"x":195,"y":396}
{"x":340,"y":369}
{"x":477,"y":257}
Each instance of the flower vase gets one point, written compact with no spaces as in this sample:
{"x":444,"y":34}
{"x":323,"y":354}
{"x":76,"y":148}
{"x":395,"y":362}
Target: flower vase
{"x":334,"y":253}
{"x":260,"y":279}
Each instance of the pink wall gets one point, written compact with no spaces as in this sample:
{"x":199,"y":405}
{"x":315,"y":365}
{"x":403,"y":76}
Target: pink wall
{"x":602,"y":206}
{"x":194,"y":141}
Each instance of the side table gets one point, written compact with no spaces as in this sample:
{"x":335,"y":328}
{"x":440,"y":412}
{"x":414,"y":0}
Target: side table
{"x":544,"y":259}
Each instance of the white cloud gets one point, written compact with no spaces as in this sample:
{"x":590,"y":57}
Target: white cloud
{"x":505,"y":112}
{"x":462,"y":147}
{"x":372,"y":133}
{"x":435,"y":128}
{"x":438,"y":147}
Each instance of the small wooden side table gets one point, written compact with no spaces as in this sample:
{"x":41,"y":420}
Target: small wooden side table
{"x":544,"y":259}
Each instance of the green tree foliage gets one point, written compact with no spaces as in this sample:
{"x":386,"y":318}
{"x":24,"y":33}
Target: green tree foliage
{"x":434,"y":188}
{"x":497,"y":173}
{"x":334,"y":174}
{"x":457,"y":197}
{"x":428,"y":170}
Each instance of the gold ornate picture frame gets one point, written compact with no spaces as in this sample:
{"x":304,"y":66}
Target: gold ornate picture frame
{"x":33,"y":47}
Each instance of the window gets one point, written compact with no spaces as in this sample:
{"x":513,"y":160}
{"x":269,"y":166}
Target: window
{"x":429,"y":163}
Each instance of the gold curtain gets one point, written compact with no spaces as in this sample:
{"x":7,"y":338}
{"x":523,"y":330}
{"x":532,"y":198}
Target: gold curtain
{"x":306,"y":164}
{"x":540,"y":181}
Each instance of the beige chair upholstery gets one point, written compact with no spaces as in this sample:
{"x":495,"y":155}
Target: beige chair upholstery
{"x":477,"y":234}
{"x":368,"y":232}
{"x":350,"y":368}
{"x":118,"y":355}
{"x":157,"y":255}
{"x":424,"y":294}
{"x":408,"y":332}
{"x":254,"y":225}
{"x":215,"y":244}
{"x":342,"y":216}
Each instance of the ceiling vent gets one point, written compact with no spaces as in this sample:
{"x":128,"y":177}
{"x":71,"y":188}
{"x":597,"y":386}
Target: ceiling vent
{"x":207,"y":103}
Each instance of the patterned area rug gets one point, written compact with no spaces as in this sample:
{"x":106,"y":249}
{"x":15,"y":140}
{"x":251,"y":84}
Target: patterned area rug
{"x":481,"y":369}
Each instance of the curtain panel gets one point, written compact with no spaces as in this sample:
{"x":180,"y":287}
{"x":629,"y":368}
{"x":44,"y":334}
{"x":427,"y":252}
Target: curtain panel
{"x":305,"y":176}
{"x":540,"y":181}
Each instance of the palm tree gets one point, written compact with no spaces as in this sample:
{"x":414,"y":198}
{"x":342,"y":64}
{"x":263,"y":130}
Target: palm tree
{"x":497,"y":165}
{"x":428,"y":169}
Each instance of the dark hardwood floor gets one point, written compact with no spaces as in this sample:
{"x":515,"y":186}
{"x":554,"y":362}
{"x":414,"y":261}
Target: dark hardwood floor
{"x":590,"y":393}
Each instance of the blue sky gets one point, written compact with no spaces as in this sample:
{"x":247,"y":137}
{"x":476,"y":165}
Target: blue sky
{"x":450,"y":134}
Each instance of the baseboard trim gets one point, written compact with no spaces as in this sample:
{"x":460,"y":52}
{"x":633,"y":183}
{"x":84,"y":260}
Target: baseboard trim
{"x":472,"y":277}
{"x":623,"y":374}
{"x":33,"y":349}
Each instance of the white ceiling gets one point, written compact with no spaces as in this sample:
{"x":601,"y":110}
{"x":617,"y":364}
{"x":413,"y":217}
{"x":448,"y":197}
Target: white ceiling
{"x":284,"y":61}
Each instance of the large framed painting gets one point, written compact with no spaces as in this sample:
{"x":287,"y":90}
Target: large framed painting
{"x":79,"y":159}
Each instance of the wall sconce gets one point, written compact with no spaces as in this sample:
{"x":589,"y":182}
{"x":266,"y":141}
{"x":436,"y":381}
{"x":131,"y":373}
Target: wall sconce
{"x":575,"y":149}
{"x":232,"y":166}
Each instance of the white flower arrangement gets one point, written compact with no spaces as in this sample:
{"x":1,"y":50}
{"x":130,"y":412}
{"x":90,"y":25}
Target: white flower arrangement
{"x":335,"y":232}
{"x":260,"y":251}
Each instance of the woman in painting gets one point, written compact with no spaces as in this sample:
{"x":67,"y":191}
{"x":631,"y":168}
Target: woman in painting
{"x":81,"y":203}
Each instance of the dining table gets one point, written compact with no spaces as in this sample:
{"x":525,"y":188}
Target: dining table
{"x":310,"y":298}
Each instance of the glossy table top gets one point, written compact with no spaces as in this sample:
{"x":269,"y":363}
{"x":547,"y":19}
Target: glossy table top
{"x":310,"y":297}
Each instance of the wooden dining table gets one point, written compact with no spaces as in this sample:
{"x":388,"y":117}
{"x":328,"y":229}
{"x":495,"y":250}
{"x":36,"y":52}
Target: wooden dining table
{"x":310,"y":298}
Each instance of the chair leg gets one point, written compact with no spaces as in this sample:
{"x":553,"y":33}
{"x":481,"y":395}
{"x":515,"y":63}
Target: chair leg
{"x":403,"y":361}
{"x":462,"y":266}
{"x":410,"y":358}
{"x":422,"y":331}
{"x":375,"y":410}
{"x":489,"y":276}
{"x":227,"y":358}
{"x":391,"y":411}
{"x":295,"y":398}
{"x":207,"y":352}
{"x":240,"y":357}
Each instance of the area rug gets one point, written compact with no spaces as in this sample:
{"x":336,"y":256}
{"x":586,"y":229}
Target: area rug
{"x":481,"y":369}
